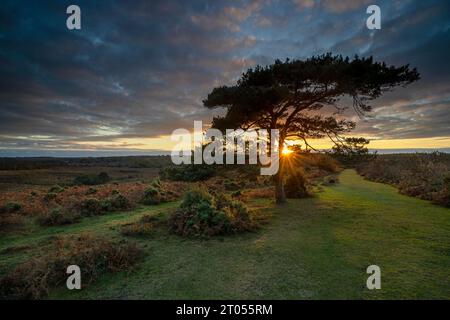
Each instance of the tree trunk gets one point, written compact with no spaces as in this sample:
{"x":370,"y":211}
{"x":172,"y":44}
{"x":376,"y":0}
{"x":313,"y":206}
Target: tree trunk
{"x":280,"y":196}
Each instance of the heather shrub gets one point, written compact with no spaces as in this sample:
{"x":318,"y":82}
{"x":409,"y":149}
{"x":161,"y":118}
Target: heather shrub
{"x":221,"y":201}
{"x":87,"y":207}
{"x":202,"y":215}
{"x":144,"y":227}
{"x":92,"y":179}
{"x":95,"y":256}
{"x":11,"y":207}
{"x":91,"y":207}
{"x":56,"y":189}
{"x":189,"y":173}
{"x":91,"y":191}
{"x":119,"y":202}
{"x":156,"y":183}
{"x":154,"y":194}
{"x":296,"y":185}
{"x":236,"y":194}
{"x":237,"y":213}
{"x":442,"y":197}
{"x":325,"y":162}
{"x":418,"y":175}
{"x":137,"y":229}
{"x":151,"y":196}
{"x":50,"y":196}
{"x":58,"y":217}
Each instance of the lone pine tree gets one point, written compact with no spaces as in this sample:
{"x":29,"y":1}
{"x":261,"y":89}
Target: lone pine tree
{"x":289,"y":96}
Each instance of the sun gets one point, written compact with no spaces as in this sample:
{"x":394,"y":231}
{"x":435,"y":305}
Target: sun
{"x":286,"y":151}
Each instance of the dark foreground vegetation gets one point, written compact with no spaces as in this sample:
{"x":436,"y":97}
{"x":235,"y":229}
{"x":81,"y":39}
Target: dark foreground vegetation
{"x":214,"y":230}
{"x":211,"y":202}
{"x":422,"y":175}
{"x":45,"y":163}
{"x":95,"y":256}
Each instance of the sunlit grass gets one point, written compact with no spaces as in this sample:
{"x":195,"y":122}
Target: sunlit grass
{"x":314,"y":248}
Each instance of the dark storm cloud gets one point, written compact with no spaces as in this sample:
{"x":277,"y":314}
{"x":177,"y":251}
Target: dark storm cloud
{"x":140,"y":69}
{"x":417,"y":33}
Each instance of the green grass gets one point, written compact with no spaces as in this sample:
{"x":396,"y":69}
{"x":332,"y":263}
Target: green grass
{"x":316,"y":248}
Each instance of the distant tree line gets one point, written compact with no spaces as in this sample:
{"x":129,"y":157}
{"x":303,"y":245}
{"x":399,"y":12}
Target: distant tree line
{"x":46,"y":163}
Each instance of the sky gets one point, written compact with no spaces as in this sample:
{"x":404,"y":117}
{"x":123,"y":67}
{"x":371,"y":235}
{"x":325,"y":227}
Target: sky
{"x":137,"y":70}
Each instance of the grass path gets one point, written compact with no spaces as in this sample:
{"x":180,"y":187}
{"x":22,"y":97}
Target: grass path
{"x":312,"y":248}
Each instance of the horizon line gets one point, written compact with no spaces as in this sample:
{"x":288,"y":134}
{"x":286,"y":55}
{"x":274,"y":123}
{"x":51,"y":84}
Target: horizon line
{"x":147,"y":153}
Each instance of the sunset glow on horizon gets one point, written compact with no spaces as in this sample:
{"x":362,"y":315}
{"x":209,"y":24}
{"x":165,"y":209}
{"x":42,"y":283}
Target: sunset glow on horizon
{"x":164,"y":143}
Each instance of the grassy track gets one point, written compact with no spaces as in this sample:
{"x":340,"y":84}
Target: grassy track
{"x":312,"y":248}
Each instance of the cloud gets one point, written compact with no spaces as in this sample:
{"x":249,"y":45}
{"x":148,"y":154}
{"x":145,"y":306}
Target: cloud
{"x":344,"y":5}
{"x":229,"y":17}
{"x":304,"y":3}
{"x":140,"y":69}
{"x":336,"y":6}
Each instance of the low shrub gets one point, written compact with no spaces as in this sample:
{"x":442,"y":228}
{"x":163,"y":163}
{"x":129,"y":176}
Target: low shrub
{"x":189,"y":173}
{"x":137,"y":229}
{"x":151,"y":196}
{"x":91,"y":207}
{"x":56,"y":189}
{"x":95,"y":256}
{"x":11,"y":207}
{"x":57,"y":217}
{"x":92,"y":179}
{"x":154,"y":194}
{"x":326,"y":162}
{"x":91,"y":191}
{"x":330,"y":180}
{"x":87,"y":207}
{"x":156,"y":183}
{"x":50,"y":196}
{"x":442,"y":197}
{"x":144,"y":227}
{"x":236,"y":194}
{"x":118,"y":202}
{"x":296,"y":185}
{"x":202,"y":215}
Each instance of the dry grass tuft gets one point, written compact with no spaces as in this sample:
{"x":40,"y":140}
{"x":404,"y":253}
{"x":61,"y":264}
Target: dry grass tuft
{"x":146,"y":226}
{"x":94,"y":256}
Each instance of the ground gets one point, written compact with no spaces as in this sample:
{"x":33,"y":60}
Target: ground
{"x":314,"y":248}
